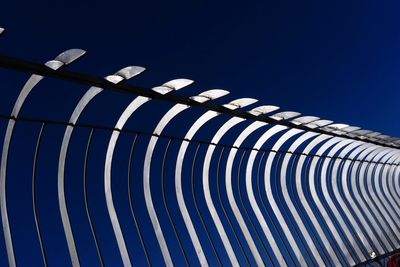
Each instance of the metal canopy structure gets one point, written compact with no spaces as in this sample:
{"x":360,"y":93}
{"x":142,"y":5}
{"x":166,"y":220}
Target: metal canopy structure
{"x":233,"y":185}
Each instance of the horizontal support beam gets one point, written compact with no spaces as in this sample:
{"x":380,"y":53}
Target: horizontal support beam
{"x":130,"y":131}
{"x":21,"y":65}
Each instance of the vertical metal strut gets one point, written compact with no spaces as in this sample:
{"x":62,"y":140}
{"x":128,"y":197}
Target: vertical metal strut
{"x":121,"y":75}
{"x":383,"y":223}
{"x":335,"y":210}
{"x":370,"y":239}
{"x":223,"y":206}
{"x":127,"y":113}
{"x":164,"y":197}
{"x":131,"y":206}
{"x":231,"y":198}
{"x":34,"y":193}
{"x":275,"y":207}
{"x":307,"y":192}
{"x":356,"y":174}
{"x":197,"y":208}
{"x":284,"y":185}
{"x":250,"y":193}
{"x":85,"y":194}
{"x":63,"y":59}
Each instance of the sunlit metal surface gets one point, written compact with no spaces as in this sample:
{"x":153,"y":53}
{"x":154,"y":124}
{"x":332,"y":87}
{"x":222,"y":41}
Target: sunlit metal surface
{"x":261,"y":110}
{"x":240,"y":103}
{"x":207,"y":193}
{"x":305,"y":202}
{"x":334,"y":127}
{"x":342,"y":159}
{"x":64,"y":58}
{"x":318,"y":124}
{"x":121,"y":75}
{"x":380,"y":207}
{"x":285,"y":191}
{"x":327,"y":197}
{"x":284,"y":115}
{"x":273,"y":202}
{"x":360,"y":133}
{"x":264,"y":188}
{"x":178,"y":177}
{"x":178,"y":184}
{"x":304,"y":120}
{"x":132,"y":107}
{"x":368,"y":203}
{"x":172,"y":85}
{"x":354,"y":177}
{"x":209,"y":95}
{"x":362,"y":253}
{"x":350,"y":129}
{"x":250,"y":194}
{"x":174,"y":111}
{"x":317,"y":200}
{"x":228,"y":183}
{"x":370,"y":239}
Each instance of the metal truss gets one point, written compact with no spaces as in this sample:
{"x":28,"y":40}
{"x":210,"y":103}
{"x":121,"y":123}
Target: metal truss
{"x":264,"y":187}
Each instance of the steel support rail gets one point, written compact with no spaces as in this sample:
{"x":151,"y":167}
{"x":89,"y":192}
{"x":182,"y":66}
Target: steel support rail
{"x":305,"y":202}
{"x":123,"y":74}
{"x":316,"y":199}
{"x":288,"y":201}
{"x":61,"y":60}
{"x":355,"y":177}
{"x":250,"y":193}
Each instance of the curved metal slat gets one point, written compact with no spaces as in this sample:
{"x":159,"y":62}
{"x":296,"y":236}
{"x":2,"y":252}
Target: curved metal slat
{"x":171,"y":221}
{"x":131,"y":206}
{"x":174,"y":111}
{"x":364,"y":245}
{"x":197,"y":208}
{"x":178,"y":184}
{"x":366,"y":170}
{"x":344,"y":144}
{"x":380,"y":179}
{"x":394,"y":174}
{"x":361,"y":205}
{"x":207,"y":193}
{"x":178,"y":174}
{"x":132,"y":107}
{"x":121,"y":75}
{"x":64,"y":58}
{"x":369,"y":238}
{"x":316,"y":199}
{"x":250,"y":193}
{"x":305,"y":202}
{"x":224,"y":209}
{"x":275,"y":207}
{"x":387,"y":178}
{"x":382,"y":208}
{"x":350,"y":214}
{"x":231,"y":198}
{"x":170,"y":86}
{"x":288,"y":200}
{"x":395,"y":180}
{"x":126,"y":114}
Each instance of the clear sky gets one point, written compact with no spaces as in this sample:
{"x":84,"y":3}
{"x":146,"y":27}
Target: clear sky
{"x":338,"y":60}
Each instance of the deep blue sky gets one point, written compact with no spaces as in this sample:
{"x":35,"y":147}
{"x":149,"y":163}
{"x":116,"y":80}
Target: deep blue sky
{"x":337,"y":60}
